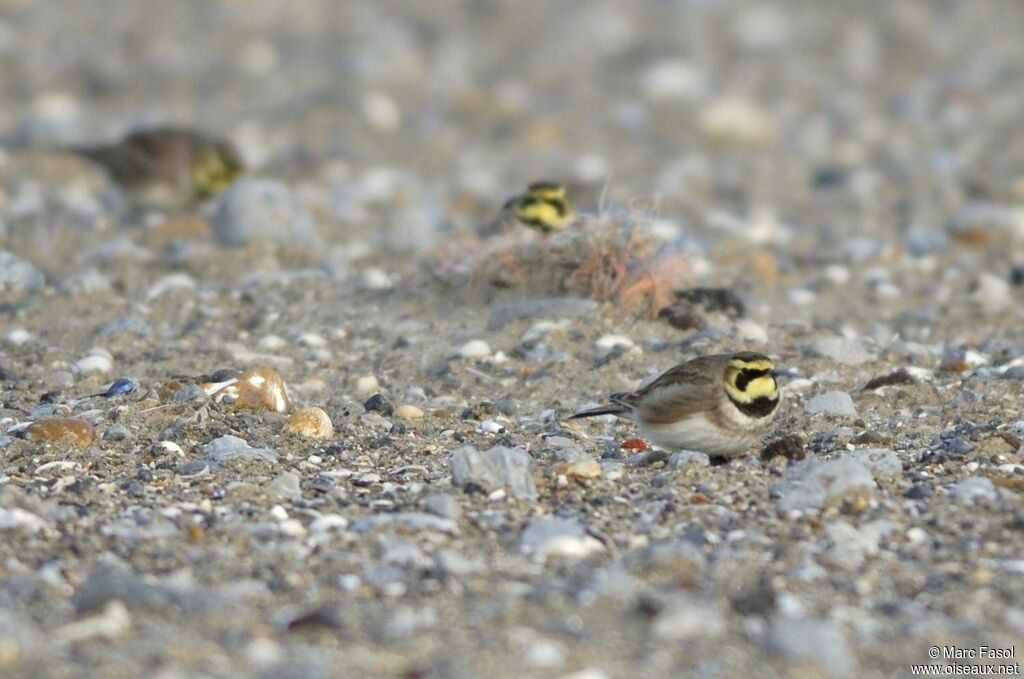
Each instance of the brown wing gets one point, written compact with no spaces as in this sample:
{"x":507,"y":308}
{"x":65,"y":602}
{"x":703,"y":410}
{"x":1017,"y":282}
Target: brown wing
{"x":680,"y":391}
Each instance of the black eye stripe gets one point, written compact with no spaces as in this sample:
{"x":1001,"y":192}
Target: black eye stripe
{"x":748,"y":375}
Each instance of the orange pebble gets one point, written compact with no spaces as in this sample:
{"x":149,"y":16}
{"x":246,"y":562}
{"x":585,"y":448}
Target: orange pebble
{"x":61,"y":430}
{"x":634,"y":444}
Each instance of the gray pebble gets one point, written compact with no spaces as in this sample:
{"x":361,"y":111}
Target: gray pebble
{"x":263,"y":210}
{"x":499,"y":467}
{"x":443,"y":504}
{"x":287,"y":486}
{"x":231,"y":448}
{"x":838,"y":403}
{"x":973,"y":490}
{"x":18,"y":275}
{"x":813,"y":485}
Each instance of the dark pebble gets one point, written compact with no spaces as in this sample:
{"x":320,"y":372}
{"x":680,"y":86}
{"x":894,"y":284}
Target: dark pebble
{"x":790,"y":447}
{"x":380,"y":404}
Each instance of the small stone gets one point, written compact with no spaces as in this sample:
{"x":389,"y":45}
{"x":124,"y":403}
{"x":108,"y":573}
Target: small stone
{"x":882,"y":462}
{"x":499,"y":467}
{"x":258,"y":389}
{"x":231,"y":448}
{"x":973,"y":490}
{"x":367,"y":479}
{"x":19,"y":337}
{"x":992,"y":294}
{"x":287,"y":486}
{"x":807,"y":640}
{"x":688,"y":458}
{"x":311,"y":423}
{"x":408,"y":412}
{"x":790,"y":447}
{"x":18,"y":275}
{"x":171,"y":283}
{"x":837,"y":403}
{"x":22,"y":521}
{"x":850,"y":547}
{"x":376,"y":279}
{"x":738,"y":121}
{"x":844,"y":350}
{"x":263,"y":210}
{"x":554,"y":537}
{"x":95,"y":363}
{"x":614,"y":342}
{"x":120,"y":387}
{"x":367,"y":385}
{"x":61,"y":431}
{"x":580,"y":471}
{"x":443,"y":504}
{"x":689,"y":617}
{"x":378,"y":403}
{"x":475,"y":350}
{"x":814,"y":485}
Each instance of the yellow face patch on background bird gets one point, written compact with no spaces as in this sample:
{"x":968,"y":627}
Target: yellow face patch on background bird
{"x":544,"y":207}
{"x":215,"y":170}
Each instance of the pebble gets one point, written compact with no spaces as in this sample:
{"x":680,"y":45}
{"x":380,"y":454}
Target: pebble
{"x":974,"y":489}
{"x":567,"y":307}
{"x":22,"y":521}
{"x":367,"y":385}
{"x":992,"y":294}
{"x":809,"y":640}
{"x":555,"y":537}
{"x":689,"y":458}
{"x":120,"y":387}
{"x":813,"y":485}
{"x":738,"y":121}
{"x":613,"y":342}
{"x":475,"y":350}
{"x":408,"y":412}
{"x":263,"y":210}
{"x":287,"y":486}
{"x":61,"y":431}
{"x":443,"y":504}
{"x":378,"y":403}
{"x":229,"y":448}
{"x":18,"y":275}
{"x":844,"y":350}
{"x":498,"y":467}
{"x":850,"y":547}
{"x":580,"y":471}
{"x":882,"y":462}
{"x":376,"y":279}
{"x":313,"y":423}
{"x":19,"y":337}
{"x":328,"y":523}
{"x":673,"y":79}
{"x":687,"y":617}
{"x":95,"y":363}
{"x":171,"y":283}
{"x":413,"y":521}
{"x":838,"y":403}
{"x":258,"y":389}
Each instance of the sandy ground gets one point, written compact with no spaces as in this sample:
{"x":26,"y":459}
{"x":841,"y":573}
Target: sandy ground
{"x":855,"y":175}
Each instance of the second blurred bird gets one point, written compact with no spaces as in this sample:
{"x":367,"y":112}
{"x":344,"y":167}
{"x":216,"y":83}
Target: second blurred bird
{"x":168,"y":167}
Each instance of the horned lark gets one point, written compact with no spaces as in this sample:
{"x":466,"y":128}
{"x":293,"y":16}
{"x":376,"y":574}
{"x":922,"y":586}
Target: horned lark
{"x":544,"y":207}
{"x":720,"y":405}
{"x":167,"y":166}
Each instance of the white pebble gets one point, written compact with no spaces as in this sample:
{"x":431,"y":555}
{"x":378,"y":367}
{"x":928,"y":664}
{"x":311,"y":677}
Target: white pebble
{"x":749,"y":330}
{"x":367,"y":385}
{"x":327,"y":523}
{"x":382,"y":112}
{"x":311,"y":339}
{"x":475,"y":350}
{"x":801,"y":296}
{"x":610,"y":342}
{"x":95,"y":363}
{"x":272,"y":343}
{"x":172,"y":447}
{"x":377,"y":279}
{"x":174,"y":282}
{"x":18,"y":337}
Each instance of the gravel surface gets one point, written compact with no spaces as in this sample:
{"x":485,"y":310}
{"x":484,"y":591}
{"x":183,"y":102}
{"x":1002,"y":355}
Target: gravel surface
{"x":390,"y":488}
